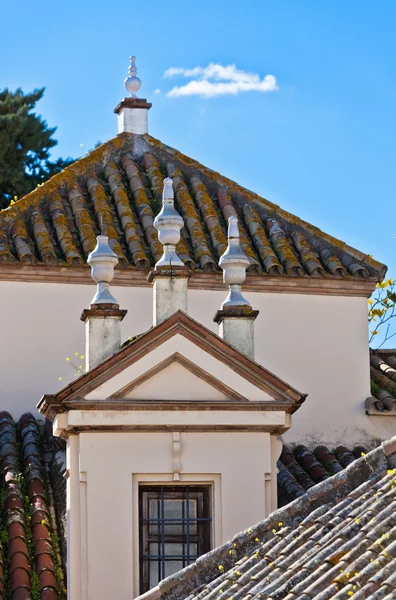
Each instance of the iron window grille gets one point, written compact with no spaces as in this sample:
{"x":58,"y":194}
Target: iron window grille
{"x":175,"y":524}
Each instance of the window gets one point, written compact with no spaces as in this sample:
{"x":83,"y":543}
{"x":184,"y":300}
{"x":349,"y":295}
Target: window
{"x":174,"y":530}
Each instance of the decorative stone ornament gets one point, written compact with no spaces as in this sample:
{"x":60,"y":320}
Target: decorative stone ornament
{"x":168,"y":224}
{"x":234,"y":263}
{"x":102,"y":261}
{"x":132,"y":82}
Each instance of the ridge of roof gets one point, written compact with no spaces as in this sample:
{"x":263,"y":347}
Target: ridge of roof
{"x":230,"y":185}
{"x":178,"y":322}
{"x":79,"y":168}
{"x":116,"y":190}
{"x":300,"y":552}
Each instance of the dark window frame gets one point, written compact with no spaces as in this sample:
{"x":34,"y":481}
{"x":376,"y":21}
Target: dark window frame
{"x":201,"y":494}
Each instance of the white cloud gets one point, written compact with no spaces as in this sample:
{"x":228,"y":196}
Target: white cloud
{"x":157,"y":91}
{"x":218,"y":80}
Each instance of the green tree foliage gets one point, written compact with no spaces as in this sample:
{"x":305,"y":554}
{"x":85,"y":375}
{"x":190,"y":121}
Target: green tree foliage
{"x":382,"y":312}
{"x":25,"y":144}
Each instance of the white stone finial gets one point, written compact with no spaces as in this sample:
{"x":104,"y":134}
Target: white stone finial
{"x":234,"y":263}
{"x":102,"y":261}
{"x":132,"y":82}
{"x":168,"y":224}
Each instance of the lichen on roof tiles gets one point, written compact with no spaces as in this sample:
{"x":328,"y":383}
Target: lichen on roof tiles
{"x":337,"y":540}
{"x":116,"y":190}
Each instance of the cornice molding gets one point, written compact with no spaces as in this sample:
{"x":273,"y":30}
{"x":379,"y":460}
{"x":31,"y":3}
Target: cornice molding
{"x":178,"y":323}
{"x":323,"y":286}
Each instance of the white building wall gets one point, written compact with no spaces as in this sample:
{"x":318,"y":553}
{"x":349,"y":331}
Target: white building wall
{"x":318,"y":344}
{"x":112,"y":465}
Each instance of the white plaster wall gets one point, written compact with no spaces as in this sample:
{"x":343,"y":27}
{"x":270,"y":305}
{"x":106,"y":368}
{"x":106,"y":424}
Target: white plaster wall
{"x":197,"y":356}
{"x":112,"y":466}
{"x":176,"y":383}
{"x":316,"y":343}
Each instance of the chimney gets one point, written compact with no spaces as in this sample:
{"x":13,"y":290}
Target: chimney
{"x":236,"y":317}
{"x":103,"y":318}
{"x":132,"y":111}
{"x":170,"y":275}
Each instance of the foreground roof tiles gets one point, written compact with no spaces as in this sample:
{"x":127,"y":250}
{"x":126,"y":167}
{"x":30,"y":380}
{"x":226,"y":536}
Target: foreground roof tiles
{"x":383,"y":383}
{"x":335,"y":542}
{"x":29,"y":558}
{"x":300,"y":469}
{"x":116,"y":190}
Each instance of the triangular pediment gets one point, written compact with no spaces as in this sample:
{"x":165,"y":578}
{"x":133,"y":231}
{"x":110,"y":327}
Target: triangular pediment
{"x":178,"y":360}
{"x":178,"y":379}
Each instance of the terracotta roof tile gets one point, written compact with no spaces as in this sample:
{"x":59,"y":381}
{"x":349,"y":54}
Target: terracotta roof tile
{"x":383,"y":383}
{"x":329,"y":530}
{"x":335,"y":542}
{"x":116,"y":190}
{"x":25,"y":517}
{"x":300,"y":468}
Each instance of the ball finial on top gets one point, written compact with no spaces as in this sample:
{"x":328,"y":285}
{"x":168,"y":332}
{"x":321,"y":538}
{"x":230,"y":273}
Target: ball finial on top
{"x":132,"y":82}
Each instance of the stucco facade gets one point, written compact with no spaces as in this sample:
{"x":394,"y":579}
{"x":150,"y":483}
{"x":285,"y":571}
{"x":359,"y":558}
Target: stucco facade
{"x":239,"y":496}
{"x":318,"y":343}
{"x":176,"y":407}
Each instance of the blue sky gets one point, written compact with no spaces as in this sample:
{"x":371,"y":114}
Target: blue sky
{"x":322,"y":145}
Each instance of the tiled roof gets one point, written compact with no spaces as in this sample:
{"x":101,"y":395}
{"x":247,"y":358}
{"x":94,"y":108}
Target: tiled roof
{"x":383,"y":383}
{"x":30,"y":561}
{"x":29,"y":558}
{"x":116,"y":190}
{"x":337,"y":541}
{"x":299,"y":469}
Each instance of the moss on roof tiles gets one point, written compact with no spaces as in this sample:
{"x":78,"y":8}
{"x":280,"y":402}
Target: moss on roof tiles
{"x":338,"y":540}
{"x":115,"y":190}
{"x":30,"y":559}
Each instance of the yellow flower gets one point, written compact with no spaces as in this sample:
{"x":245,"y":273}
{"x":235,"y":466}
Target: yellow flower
{"x":82,"y":356}
{"x":363,"y":454}
{"x":274,"y":531}
{"x":67,"y":358}
{"x":221,"y":568}
{"x":235,"y":545}
{"x":249,"y":531}
{"x":42,"y":522}
{"x":231,"y":552}
{"x":350,"y":593}
{"x":256,"y":540}
{"x":280,"y":523}
{"x":238,"y":572}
